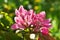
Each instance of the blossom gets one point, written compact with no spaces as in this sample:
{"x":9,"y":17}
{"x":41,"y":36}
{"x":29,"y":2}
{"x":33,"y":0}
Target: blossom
{"x":23,"y":18}
{"x":41,"y":21}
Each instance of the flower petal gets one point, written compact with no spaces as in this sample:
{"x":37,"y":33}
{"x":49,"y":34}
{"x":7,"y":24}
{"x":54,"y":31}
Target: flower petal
{"x":46,"y":23}
{"x":22,"y":27}
{"x":14,"y":26}
{"x":21,"y":9}
{"x":17,"y":12}
{"x":19,"y":20}
{"x":41,"y":14}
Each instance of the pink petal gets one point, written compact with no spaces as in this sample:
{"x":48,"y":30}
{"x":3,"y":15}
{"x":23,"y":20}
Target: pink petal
{"x":17,"y":26}
{"x":21,"y":9}
{"x":41,"y":14}
{"x":26,"y":18}
{"x":29,"y":21}
{"x":31,"y":12}
{"x":22,"y":27}
{"x":46,"y":23}
{"x":17,"y":12}
{"x":47,"y":20}
{"x":19,"y":20}
{"x":14,"y":26}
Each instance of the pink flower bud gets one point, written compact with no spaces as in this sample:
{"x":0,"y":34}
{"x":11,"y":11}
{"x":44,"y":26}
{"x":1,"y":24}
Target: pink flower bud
{"x":44,"y":30}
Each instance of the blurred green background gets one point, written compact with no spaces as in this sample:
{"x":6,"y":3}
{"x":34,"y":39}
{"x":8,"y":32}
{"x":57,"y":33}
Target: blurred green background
{"x":7,"y":13}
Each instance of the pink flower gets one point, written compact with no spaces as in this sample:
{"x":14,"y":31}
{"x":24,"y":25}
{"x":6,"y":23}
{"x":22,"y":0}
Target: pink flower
{"x":44,"y":30}
{"x":23,"y":18}
{"x":40,"y":21}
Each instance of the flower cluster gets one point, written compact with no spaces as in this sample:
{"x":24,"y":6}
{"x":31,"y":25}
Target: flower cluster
{"x":26,"y":19}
